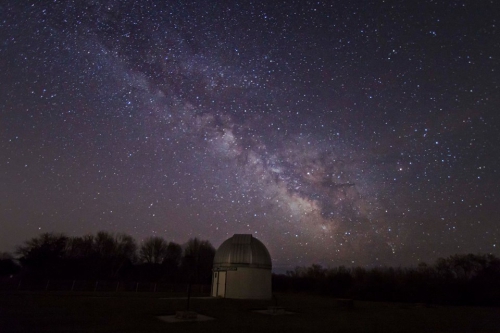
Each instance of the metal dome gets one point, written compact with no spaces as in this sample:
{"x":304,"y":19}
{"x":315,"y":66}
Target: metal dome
{"x":242,"y":250}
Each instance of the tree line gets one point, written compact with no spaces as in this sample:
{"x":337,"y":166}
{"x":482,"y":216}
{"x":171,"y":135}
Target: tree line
{"x":472,"y":279}
{"x":107,"y":256}
{"x":457,"y":279}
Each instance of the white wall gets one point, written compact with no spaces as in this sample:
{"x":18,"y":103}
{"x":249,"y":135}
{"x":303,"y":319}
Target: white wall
{"x":249,"y":283}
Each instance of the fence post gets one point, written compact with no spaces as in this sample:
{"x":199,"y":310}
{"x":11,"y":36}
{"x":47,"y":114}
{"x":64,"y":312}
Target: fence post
{"x":73,"y":285}
{"x":47,"y":285}
{"x":155,"y":288}
{"x":137,"y":287}
{"x":95,"y":288}
{"x":117,"y":285}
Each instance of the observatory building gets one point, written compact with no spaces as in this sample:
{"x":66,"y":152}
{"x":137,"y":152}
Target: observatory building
{"x":242,"y":269}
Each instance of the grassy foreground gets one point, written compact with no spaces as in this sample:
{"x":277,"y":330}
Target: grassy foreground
{"x":128,"y":312}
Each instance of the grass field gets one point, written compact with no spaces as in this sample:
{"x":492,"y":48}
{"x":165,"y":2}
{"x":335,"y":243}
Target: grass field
{"x":137,"y":312}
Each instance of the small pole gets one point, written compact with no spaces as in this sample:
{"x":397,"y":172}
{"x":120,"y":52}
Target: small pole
{"x":95,"y":288}
{"x":189,"y":294}
{"x":154,"y":290}
{"x":73,"y":285}
{"x":47,"y":286}
{"x":137,"y":287}
{"x":19,"y":285}
{"x":117,"y":285}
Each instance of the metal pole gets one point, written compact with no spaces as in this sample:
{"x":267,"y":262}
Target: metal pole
{"x":189,"y":294}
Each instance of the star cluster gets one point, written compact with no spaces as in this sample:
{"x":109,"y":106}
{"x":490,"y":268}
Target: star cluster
{"x":337,"y":132}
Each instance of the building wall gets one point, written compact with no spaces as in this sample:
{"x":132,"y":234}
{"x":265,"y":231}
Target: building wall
{"x":246,"y":283}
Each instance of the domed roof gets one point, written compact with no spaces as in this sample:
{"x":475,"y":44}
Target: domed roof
{"x":242,"y":250}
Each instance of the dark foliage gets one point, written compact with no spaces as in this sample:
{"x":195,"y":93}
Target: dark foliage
{"x":458,"y":279}
{"x":153,"y":250}
{"x":197,"y":261}
{"x":108,"y":257}
{"x":44,"y":255}
{"x":8,"y":266}
{"x":172,"y":262}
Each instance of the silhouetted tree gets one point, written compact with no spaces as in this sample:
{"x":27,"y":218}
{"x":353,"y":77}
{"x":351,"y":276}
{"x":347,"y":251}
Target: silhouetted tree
{"x":80,"y":247}
{"x":339,"y":282}
{"x":7,"y":265}
{"x":81,"y":261}
{"x":198,"y":260}
{"x":457,"y":279}
{"x":125,"y":253}
{"x":104,"y":245}
{"x":153,"y":250}
{"x":43,"y":255}
{"x":443,"y":269}
{"x":172,"y":261}
{"x":107,"y":254}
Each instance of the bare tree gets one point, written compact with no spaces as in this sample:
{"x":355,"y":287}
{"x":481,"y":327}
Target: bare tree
{"x":198,"y":259}
{"x":153,"y":250}
{"x":104,"y":245}
{"x":173,"y":256}
{"x":80,"y":247}
{"x":43,"y":254}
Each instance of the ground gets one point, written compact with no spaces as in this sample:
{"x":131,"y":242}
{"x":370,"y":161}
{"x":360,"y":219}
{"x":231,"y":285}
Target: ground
{"x":139,"y":312}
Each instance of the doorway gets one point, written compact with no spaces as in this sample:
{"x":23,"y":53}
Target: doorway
{"x":219,"y":285}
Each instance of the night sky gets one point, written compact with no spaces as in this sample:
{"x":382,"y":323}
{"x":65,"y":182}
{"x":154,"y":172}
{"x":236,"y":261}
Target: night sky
{"x":337,"y":132}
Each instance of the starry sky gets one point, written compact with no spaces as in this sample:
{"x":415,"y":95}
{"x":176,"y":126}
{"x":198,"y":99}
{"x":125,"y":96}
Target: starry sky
{"x":337,"y":132}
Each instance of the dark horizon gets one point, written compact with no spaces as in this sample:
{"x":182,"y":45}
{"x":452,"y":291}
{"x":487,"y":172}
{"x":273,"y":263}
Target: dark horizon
{"x":275,"y":269}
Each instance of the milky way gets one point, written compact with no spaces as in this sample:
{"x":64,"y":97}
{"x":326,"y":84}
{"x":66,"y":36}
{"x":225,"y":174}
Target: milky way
{"x":338,"y":133}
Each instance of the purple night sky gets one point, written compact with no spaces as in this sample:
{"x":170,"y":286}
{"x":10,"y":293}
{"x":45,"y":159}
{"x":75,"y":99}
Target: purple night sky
{"x":336,"y":132}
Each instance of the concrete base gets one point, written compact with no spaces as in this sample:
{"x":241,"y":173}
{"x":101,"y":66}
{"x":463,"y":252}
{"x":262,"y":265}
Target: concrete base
{"x":274,"y":311}
{"x":184,"y":316}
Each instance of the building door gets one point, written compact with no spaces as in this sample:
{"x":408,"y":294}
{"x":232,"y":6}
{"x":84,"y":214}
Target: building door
{"x":221,"y":284}
{"x":215,"y":276}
